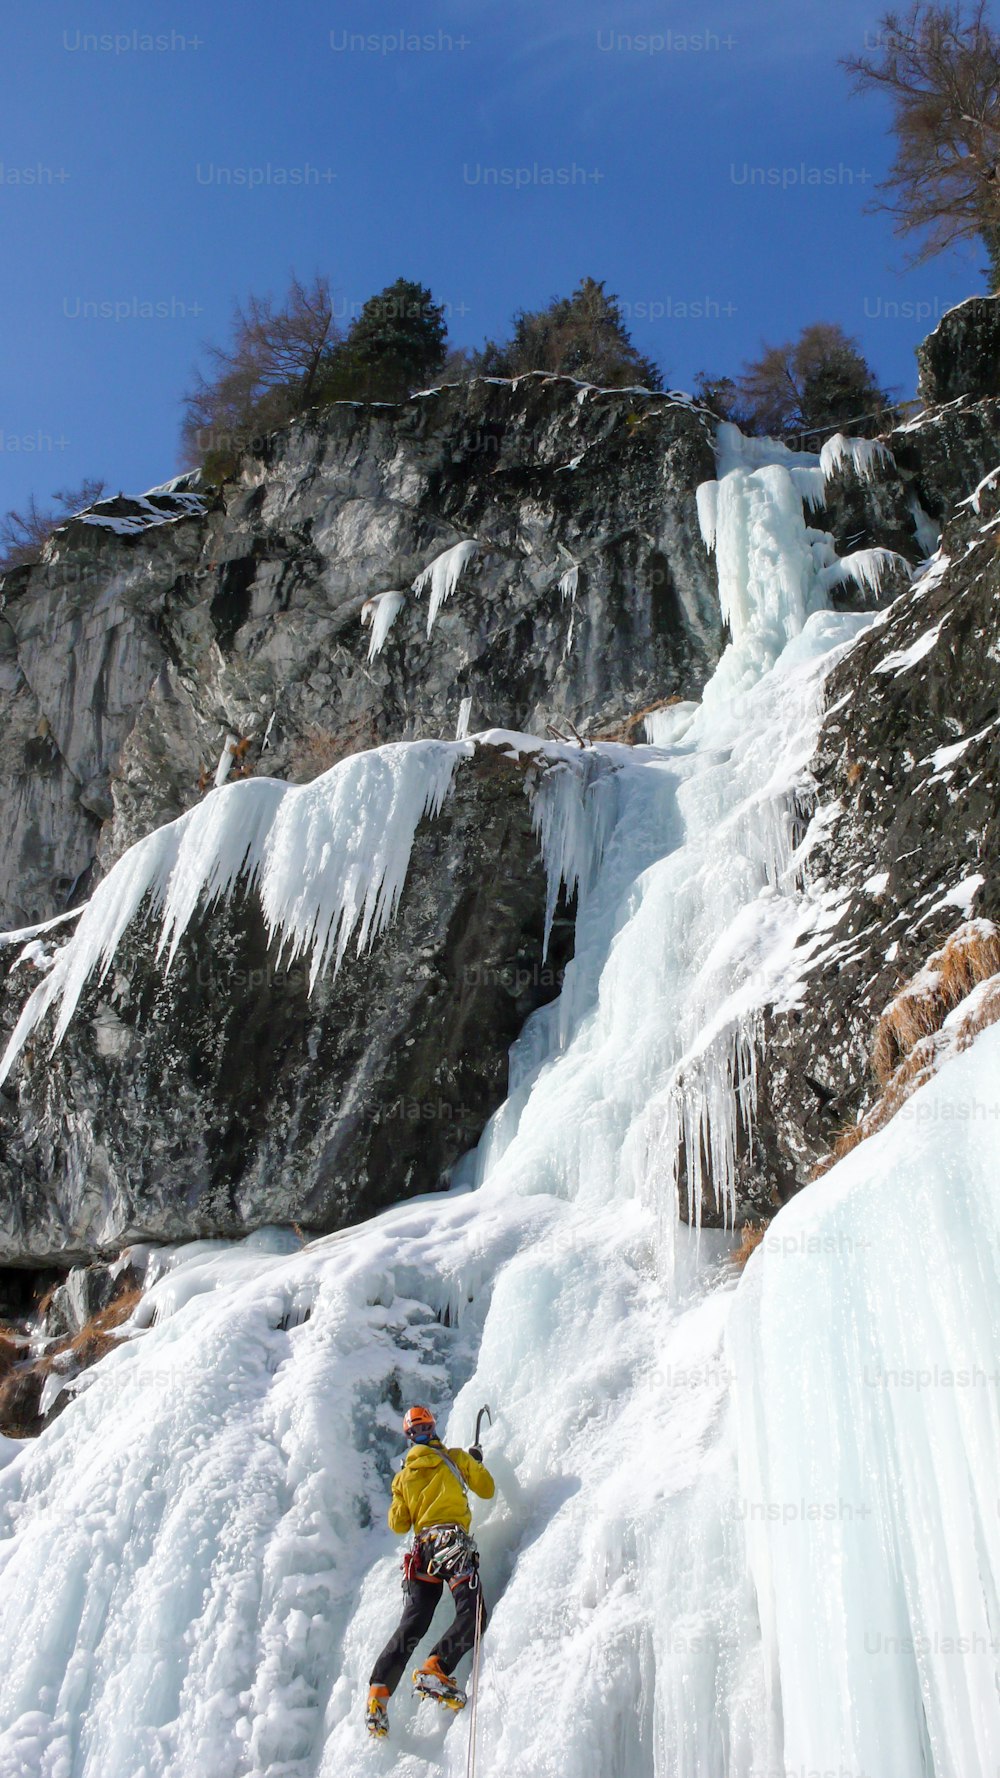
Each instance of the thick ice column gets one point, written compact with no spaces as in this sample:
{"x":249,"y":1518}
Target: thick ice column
{"x":864,"y":1344}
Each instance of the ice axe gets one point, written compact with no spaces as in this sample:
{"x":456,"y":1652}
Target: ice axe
{"x":476,"y":1445}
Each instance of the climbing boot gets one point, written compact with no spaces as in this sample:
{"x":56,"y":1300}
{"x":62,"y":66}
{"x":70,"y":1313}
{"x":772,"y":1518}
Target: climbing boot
{"x":376,"y":1714}
{"x":431,"y":1681}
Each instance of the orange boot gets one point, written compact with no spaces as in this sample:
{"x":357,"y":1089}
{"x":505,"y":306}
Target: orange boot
{"x":377,"y":1715}
{"x":431,"y":1681}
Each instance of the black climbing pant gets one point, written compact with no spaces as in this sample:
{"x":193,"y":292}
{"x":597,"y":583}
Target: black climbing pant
{"x":421,"y":1603}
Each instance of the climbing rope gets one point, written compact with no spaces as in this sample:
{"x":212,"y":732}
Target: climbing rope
{"x":470,"y":1768}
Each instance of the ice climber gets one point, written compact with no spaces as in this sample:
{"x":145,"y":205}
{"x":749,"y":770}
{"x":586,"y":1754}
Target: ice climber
{"x":429,"y":1498}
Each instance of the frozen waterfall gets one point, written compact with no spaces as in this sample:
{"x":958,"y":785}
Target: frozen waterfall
{"x":711,"y":1553}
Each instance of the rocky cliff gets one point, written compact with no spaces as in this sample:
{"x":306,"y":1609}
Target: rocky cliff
{"x":142,"y":642}
{"x":165,"y":642}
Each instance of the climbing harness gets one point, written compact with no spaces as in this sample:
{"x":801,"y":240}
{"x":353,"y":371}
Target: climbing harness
{"x":443,"y":1552}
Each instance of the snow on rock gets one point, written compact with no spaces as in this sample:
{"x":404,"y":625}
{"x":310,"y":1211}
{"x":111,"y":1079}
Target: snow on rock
{"x":986,"y":484}
{"x":127,"y":514}
{"x":902,"y":659}
{"x":943,"y":759}
{"x":24,"y":933}
{"x":961,"y":896}
{"x":442,"y":576}
{"x":326,"y":860}
{"x":381,"y":613}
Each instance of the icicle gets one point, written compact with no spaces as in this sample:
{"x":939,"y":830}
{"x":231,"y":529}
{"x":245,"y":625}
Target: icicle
{"x":865,"y":455}
{"x":381,"y":612}
{"x":325,"y":860}
{"x":810,"y":485}
{"x":707,"y":502}
{"x":866,"y":567}
{"x":573,"y":809}
{"x":464,"y":719}
{"x":927,"y":532}
{"x":443,"y":575}
{"x":570,"y":581}
{"x":667,"y":727}
{"x":711,"y":1100}
{"x":226,"y":758}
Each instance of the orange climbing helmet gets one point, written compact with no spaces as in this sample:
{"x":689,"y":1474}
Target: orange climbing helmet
{"x":418,"y":1424}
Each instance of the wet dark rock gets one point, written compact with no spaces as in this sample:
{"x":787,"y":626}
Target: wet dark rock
{"x":83,"y":1293}
{"x":227,"y":1097}
{"x":962,"y":356}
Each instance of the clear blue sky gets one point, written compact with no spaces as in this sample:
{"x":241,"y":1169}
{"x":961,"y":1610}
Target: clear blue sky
{"x":378,"y":162}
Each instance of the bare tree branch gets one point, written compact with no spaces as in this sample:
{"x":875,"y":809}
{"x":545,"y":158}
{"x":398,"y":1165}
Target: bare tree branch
{"x":940,"y":66}
{"x":25,"y":530}
{"x":265,"y":374}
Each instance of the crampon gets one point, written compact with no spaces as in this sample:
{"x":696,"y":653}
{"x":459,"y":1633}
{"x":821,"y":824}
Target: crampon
{"x":430,"y":1681}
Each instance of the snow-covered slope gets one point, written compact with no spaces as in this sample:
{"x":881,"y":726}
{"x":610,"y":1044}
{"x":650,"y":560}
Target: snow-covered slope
{"x":719,"y":1547}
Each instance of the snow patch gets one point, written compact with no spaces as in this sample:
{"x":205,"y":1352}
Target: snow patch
{"x":902,"y":659}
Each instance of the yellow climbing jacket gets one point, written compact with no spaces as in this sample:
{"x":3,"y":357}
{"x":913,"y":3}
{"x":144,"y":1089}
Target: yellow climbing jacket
{"x":425,"y":1492}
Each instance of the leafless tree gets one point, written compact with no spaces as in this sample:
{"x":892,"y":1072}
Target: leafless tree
{"x":940,"y":68}
{"x":266,"y":373}
{"x":24,"y":530}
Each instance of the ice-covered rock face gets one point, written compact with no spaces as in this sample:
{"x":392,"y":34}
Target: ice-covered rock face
{"x":127,"y":657}
{"x":131,"y":653}
{"x":739,"y":1530}
{"x":528,"y":550}
{"x":259,"y":1080}
{"x":903,"y":844}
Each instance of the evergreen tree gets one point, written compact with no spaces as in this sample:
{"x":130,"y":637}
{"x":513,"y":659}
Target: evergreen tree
{"x":721,"y":395}
{"x":583,"y":335}
{"x":397,"y":344}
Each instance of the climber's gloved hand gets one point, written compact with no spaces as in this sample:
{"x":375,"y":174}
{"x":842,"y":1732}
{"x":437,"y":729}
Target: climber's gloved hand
{"x":476,"y":1452}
